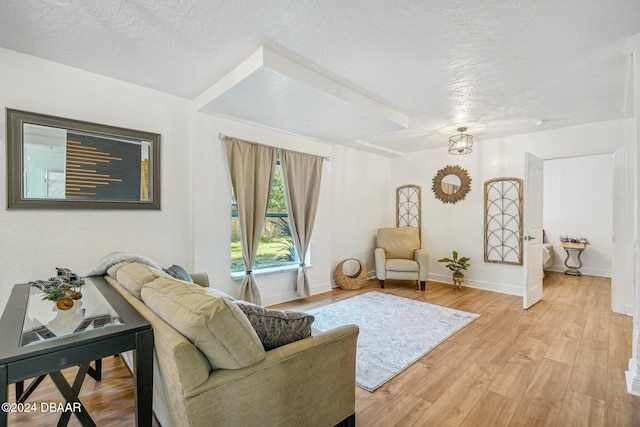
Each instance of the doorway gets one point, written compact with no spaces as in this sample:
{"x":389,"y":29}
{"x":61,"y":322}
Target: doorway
{"x":584,"y":196}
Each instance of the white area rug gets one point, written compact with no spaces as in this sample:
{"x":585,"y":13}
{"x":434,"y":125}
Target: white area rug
{"x":394,"y":331}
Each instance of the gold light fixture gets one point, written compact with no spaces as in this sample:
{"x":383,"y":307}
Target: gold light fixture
{"x":461,"y":144}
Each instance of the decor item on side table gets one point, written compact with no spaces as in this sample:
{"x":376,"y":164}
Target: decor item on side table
{"x":350,"y":274}
{"x":456,"y":264}
{"x":63,"y":288}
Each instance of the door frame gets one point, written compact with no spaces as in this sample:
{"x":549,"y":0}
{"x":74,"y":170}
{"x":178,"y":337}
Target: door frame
{"x":623,"y":241}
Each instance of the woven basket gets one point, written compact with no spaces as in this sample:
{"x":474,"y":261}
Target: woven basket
{"x":352,"y":281}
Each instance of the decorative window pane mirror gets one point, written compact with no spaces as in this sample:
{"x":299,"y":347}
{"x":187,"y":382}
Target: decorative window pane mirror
{"x":503,"y":221}
{"x":409,"y":207}
{"x":58,"y":163}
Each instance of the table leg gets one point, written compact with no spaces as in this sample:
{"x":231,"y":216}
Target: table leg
{"x":143,"y":378}
{"x":571,"y":269}
{"x":21,"y":394}
{"x":96,"y":373}
{"x":70,"y":393}
{"x":4,"y":393}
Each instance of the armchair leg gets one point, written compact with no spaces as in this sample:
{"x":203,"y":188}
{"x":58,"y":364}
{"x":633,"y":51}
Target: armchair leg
{"x":381,"y":283}
{"x":423,"y":285}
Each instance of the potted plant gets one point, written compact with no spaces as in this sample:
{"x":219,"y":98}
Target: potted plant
{"x":456,"y":264}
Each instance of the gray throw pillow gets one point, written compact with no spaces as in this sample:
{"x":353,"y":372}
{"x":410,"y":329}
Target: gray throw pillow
{"x":276,"y":328}
{"x":179,"y":273}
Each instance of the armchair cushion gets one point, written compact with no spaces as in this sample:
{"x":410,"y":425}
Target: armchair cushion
{"x":398,"y":242}
{"x":402,"y":265}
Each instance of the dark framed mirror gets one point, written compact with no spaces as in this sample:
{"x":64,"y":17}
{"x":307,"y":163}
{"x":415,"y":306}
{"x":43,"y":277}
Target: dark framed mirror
{"x":451,"y":184}
{"x":58,"y":163}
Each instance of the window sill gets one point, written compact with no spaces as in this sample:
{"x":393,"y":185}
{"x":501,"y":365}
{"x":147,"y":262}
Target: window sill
{"x":239,"y":275}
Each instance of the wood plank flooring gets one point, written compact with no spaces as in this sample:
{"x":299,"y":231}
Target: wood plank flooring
{"x":560,"y":363}
{"x":110,"y":402}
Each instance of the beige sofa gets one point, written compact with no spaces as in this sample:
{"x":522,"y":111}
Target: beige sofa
{"x":309,"y":382}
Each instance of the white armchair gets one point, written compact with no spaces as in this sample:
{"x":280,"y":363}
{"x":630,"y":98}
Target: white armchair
{"x":399,"y":256}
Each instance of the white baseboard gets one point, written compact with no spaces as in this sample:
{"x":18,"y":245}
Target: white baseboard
{"x":292,"y":296}
{"x":479,"y":284}
{"x":560,"y":268}
{"x":633,"y":378}
{"x":628,"y":310}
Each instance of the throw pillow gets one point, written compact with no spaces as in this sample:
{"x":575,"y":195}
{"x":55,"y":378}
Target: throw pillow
{"x":275,"y":327}
{"x":217,"y":327}
{"x":179,"y":273}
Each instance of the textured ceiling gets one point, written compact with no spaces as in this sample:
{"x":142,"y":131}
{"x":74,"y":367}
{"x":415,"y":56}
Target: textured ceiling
{"x":497,"y":66}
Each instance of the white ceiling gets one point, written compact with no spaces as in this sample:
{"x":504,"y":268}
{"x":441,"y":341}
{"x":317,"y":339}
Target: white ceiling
{"x":388,"y":76}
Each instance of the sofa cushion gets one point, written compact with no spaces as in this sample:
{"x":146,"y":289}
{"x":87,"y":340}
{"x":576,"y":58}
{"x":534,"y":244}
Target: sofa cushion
{"x":275,"y":327}
{"x":113,"y":270}
{"x":133,"y":275}
{"x":217,"y":327}
{"x":218,"y":293}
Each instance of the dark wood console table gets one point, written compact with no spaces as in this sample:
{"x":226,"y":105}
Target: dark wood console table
{"x":32,"y":346}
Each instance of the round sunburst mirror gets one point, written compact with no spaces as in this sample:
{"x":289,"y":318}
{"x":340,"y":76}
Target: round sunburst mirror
{"x":451,"y":184}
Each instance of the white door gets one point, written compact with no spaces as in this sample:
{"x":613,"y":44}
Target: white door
{"x":532,"y":230}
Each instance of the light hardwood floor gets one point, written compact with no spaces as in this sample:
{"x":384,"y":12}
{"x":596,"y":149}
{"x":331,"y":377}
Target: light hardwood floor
{"x":560,"y":363}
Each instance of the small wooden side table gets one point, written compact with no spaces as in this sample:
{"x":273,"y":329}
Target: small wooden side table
{"x":572,"y":270}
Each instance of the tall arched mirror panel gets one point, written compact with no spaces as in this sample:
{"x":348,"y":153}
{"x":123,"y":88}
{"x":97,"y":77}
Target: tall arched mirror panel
{"x":409,"y":207}
{"x":503,"y":221}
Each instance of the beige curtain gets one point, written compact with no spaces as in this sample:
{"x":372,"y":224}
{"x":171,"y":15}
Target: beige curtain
{"x":301,"y":174}
{"x":252,"y":167}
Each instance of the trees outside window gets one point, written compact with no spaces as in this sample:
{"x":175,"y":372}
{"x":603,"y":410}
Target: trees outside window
{"x":276,"y":247}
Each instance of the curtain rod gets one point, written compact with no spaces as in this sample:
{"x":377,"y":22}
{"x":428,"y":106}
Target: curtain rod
{"x":222,"y":136}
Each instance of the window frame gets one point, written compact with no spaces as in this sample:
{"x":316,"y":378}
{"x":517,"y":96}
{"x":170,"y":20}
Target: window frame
{"x":266,"y":268}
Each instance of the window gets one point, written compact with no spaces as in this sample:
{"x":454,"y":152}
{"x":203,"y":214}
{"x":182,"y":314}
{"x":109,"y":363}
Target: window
{"x":276,"y":248}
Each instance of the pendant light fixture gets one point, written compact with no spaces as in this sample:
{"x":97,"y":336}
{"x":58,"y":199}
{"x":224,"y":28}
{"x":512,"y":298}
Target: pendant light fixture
{"x":461,"y":144}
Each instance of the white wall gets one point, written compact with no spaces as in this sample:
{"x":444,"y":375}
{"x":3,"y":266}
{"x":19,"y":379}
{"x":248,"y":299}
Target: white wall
{"x":460,"y":226}
{"x":578,"y":203}
{"x":34,"y":242}
{"x":360,"y":198}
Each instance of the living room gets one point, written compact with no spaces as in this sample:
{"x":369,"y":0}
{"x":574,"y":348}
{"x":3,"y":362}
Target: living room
{"x":357,"y":195}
